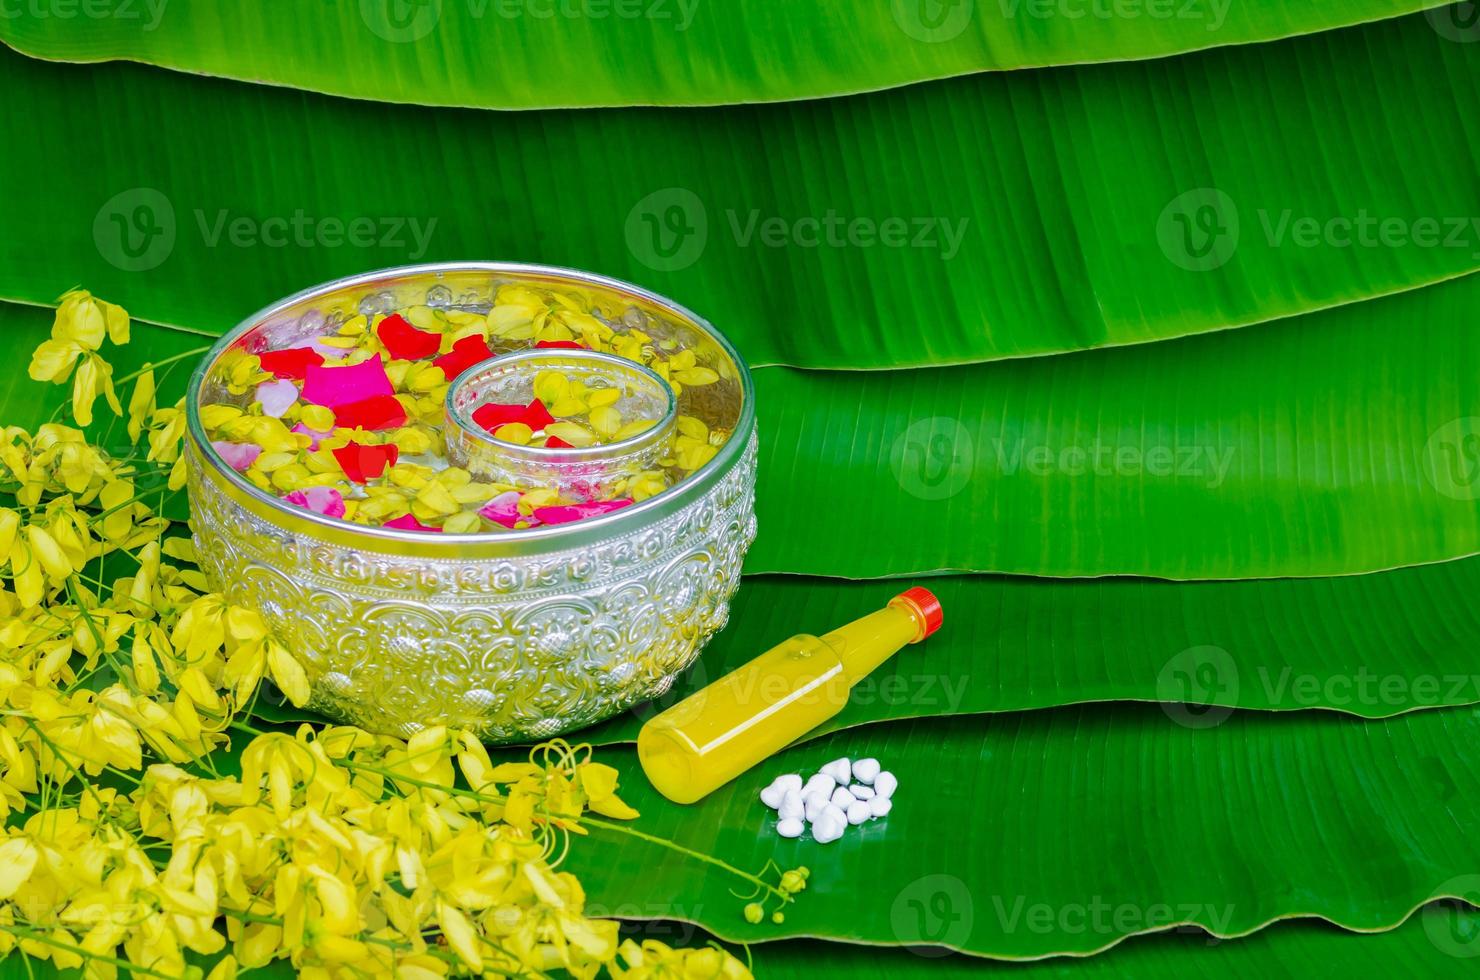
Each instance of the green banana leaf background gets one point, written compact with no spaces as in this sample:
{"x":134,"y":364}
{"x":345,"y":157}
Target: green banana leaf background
{"x":1146,"y":338}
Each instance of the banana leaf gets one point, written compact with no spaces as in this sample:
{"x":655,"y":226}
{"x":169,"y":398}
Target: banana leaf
{"x":1432,"y":943}
{"x":1371,"y":645}
{"x":984,"y":217}
{"x":1064,"y":832}
{"x":1345,"y":441}
{"x":1334,"y":444}
{"x":519,"y":54}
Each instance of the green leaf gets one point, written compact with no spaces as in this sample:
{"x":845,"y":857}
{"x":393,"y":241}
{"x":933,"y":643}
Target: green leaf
{"x":1345,"y":441}
{"x":519,"y":54}
{"x":1433,"y":943}
{"x":978,"y":218}
{"x":1338,"y":443}
{"x":1372,"y":645}
{"x":1065,"y":831}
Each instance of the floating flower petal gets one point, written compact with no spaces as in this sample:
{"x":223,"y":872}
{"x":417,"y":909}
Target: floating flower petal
{"x":238,"y":455}
{"x":371,"y":414}
{"x":503,"y":509}
{"x":291,"y":363}
{"x":465,"y":353}
{"x":313,"y":434}
{"x":362,"y":463}
{"x":336,"y":386}
{"x":410,"y":523}
{"x":566,"y":513}
{"x":276,"y":397}
{"x":405,"y":342}
{"x":493,"y":415}
{"x":320,"y":500}
{"x":536,"y":415}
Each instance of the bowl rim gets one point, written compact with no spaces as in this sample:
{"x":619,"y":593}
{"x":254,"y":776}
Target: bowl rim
{"x":513,"y":543}
{"x":597,"y":453}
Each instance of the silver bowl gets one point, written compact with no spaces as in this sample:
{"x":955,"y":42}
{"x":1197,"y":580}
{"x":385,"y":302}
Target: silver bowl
{"x":516,"y":635}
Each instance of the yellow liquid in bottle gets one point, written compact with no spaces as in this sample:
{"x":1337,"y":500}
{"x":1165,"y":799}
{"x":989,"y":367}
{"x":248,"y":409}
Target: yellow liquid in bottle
{"x":752,"y":713}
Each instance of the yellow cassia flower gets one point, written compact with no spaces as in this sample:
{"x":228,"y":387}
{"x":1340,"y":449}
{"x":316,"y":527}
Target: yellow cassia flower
{"x":140,"y":404}
{"x":53,"y":360}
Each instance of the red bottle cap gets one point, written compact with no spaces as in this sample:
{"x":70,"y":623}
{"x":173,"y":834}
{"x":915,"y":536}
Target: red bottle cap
{"x":923,"y":602}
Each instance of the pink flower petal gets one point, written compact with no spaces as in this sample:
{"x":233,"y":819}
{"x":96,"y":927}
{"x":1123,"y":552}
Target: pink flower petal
{"x":336,"y":386}
{"x":503,"y":509}
{"x":565,"y":513}
{"x":238,"y":455}
{"x":410,"y":523}
{"x":320,"y":500}
{"x":276,"y":397}
{"x":313,"y":434}
{"x":328,"y":350}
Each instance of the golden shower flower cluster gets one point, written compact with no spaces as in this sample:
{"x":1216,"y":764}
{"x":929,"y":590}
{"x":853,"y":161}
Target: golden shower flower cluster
{"x":132,"y":845}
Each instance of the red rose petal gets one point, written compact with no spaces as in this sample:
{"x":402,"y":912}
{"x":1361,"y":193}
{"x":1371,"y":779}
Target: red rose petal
{"x":408,"y":522}
{"x":465,"y":353}
{"x":537,"y":416}
{"x":562,"y":344}
{"x":291,"y":363}
{"x":362,"y":463}
{"x":405,"y":342}
{"x":493,"y":415}
{"x":555,"y":442}
{"x":373,"y":414}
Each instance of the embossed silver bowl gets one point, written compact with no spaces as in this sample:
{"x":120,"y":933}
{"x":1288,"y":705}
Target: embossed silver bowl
{"x":516,"y":635}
